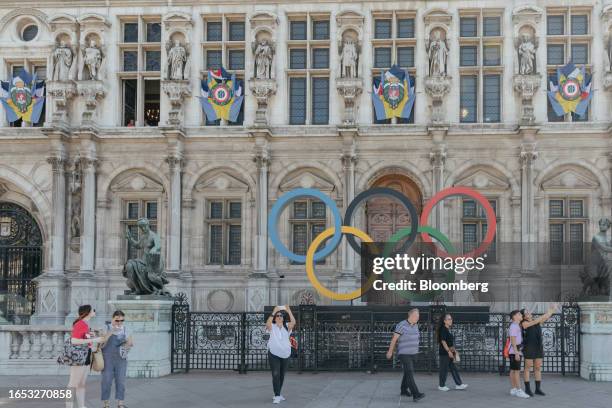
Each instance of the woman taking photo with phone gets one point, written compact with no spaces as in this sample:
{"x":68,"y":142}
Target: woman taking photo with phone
{"x":448,"y":354}
{"x":279,"y":347}
{"x":82,"y":335}
{"x":533,"y":348}
{"x":116,"y":345}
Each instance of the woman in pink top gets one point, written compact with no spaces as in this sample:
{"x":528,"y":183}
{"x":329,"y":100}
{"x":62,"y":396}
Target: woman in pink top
{"x":81,"y":334}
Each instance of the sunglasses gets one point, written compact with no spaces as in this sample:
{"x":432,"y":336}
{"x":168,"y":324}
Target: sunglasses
{"x":119,"y":321}
{"x":278,"y":315}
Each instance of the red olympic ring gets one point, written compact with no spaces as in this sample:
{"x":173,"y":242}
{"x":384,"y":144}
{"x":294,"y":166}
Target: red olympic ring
{"x":464,"y":191}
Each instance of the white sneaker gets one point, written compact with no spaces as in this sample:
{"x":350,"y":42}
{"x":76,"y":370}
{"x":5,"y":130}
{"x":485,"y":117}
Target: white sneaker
{"x":513,"y":392}
{"x":445,"y":388}
{"x":282,"y":398}
{"x":461,"y":387}
{"x":276,"y":400}
{"x":521,"y":394}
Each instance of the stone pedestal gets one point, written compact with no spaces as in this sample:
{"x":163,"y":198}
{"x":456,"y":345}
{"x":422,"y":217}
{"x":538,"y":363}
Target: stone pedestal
{"x":350,"y":89}
{"x":177,"y":91}
{"x":596,"y":341}
{"x":50,"y":299}
{"x":148,"y":320}
{"x":607,"y":81}
{"x":61,"y":93}
{"x":437,"y":86}
{"x":84,"y":290}
{"x":92,"y":93}
{"x":526,"y":86}
{"x":258,"y":292}
{"x":262,"y":89}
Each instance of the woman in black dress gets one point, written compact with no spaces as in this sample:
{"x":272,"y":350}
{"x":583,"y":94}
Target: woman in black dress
{"x":533,"y":348}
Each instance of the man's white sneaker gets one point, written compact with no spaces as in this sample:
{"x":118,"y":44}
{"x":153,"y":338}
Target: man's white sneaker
{"x":445,"y":388}
{"x":276,"y":400}
{"x":461,"y":387}
{"x":521,"y":394}
{"x":513,"y":391}
{"x":282,"y":398}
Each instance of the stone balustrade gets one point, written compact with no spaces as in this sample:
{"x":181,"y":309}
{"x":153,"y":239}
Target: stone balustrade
{"x":26,"y":350}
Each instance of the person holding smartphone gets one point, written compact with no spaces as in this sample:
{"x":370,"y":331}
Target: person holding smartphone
{"x":115,"y":348}
{"x":279,"y":324}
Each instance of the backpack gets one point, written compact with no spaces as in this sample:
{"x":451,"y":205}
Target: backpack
{"x":507,"y":348}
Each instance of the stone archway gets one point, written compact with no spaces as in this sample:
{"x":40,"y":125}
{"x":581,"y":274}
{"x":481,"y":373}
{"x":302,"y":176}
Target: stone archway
{"x":385,"y":216}
{"x":20,"y":262}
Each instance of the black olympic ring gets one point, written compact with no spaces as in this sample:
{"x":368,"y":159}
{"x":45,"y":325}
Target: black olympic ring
{"x":383,"y":191}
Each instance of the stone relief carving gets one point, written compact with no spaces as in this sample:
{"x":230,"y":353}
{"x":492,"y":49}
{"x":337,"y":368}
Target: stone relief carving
{"x":263,"y":51}
{"x":62,"y":61}
{"x":526,"y":46}
{"x":349,"y":56}
{"x":437,"y":51}
{"x":177,"y":65}
{"x":75,"y":198}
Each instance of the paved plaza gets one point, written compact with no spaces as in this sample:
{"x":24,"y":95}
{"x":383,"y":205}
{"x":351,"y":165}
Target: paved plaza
{"x":322,"y":390}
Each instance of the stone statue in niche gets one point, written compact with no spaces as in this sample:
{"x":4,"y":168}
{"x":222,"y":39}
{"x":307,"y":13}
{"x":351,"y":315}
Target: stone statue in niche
{"x":178,"y":57}
{"x":62,"y":59}
{"x":92,"y":60}
{"x":348,"y":58}
{"x":608,"y":40}
{"x":526,"y":51}
{"x":596,"y":275}
{"x":75,"y":207}
{"x":264,"y":53}
{"x":146,"y":275}
{"x":437,"y":51}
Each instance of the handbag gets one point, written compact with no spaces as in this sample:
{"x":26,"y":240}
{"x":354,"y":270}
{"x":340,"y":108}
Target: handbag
{"x":507,"y":348}
{"x":97,"y":360}
{"x":73,"y":354}
{"x":294,"y":345}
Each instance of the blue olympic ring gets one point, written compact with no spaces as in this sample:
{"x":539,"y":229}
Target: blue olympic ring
{"x":278,"y":208}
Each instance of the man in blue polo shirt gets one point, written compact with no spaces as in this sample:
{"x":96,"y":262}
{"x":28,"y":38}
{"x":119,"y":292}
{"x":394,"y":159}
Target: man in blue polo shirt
{"x":406,"y":336}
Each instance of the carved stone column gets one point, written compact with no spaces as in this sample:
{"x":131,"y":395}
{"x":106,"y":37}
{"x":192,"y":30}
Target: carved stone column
{"x":174,"y":239}
{"x":177,"y":91}
{"x":87,"y":248}
{"x":61,"y":93}
{"x":92,"y":93}
{"x":350,"y":89}
{"x":437,"y":86}
{"x":527,"y":157}
{"x":261,"y":157}
{"x":263,"y":90}
{"x":526,"y":86}
{"x":437,"y":157}
{"x":349,"y":161}
{"x":58,"y":237}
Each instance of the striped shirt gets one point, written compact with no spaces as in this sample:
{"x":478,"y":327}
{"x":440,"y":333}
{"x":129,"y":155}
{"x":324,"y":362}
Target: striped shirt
{"x":408,"y":342}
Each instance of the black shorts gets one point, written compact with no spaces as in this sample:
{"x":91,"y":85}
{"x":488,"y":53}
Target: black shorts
{"x":533,"y":352}
{"x":514,"y":364}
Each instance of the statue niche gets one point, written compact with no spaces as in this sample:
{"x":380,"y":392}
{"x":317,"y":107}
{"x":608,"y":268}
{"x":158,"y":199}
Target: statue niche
{"x":263,"y":54}
{"x":62,"y":60}
{"x":437,"y":52}
{"x":177,"y":54}
{"x":349,"y":55}
{"x":526,"y":45}
{"x":93,"y":55}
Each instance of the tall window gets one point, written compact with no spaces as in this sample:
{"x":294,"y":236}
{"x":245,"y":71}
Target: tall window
{"x":224,"y":46}
{"x":132,"y":211}
{"x":474,"y":228}
{"x":394,"y":43}
{"x":307,"y":221}
{"x":308,"y":72}
{"x":480,"y":67}
{"x":568,"y":38}
{"x":224,"y":221}
{"x":567,"y":223}
{"x":37,"y":67}
{"x":139,"y":71}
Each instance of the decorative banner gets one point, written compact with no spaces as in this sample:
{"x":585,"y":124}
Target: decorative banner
{"x":23,"y":97}
{"x":572,"y":92}
{"x":393,"y":94}
{"x":222,"y":96}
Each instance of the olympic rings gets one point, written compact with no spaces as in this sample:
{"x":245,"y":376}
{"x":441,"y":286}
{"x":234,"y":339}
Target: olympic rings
{"x":383,"y":191}
{"x":423,"y":229}
{"x":491,"y":219}
{"x":275,"y":214}
{"x":310,"y":255}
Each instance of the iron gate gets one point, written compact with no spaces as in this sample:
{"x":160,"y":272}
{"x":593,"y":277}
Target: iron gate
{"x":358,"y":338}
{"x":20,"y":262}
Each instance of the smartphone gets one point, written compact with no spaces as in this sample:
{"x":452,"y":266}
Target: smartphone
{"x":281,"y":308}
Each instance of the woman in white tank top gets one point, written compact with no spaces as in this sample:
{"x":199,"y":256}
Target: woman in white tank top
{"x":279,"y":325}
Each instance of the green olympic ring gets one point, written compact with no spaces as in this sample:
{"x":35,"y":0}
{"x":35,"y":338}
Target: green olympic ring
{"x":403,"y":233}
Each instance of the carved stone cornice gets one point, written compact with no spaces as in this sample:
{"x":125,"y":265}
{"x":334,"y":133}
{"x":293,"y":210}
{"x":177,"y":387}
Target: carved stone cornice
{"x":526,"y":86}
{"x":437,"y":86}
{"x":58,"y":164}
{"x":92,"y":92}
{"x":177,"y":91}
{"x":528,"y":154}
{"x":262,"y":89}
{"x":175,"y":163}
{"x":350,"y":89}
{"x":88,"y":164}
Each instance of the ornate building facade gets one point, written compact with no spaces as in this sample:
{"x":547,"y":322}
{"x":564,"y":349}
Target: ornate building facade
{"x":124,"y":136}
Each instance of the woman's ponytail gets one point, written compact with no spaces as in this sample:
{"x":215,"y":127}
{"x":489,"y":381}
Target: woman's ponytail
{"x":84,"y":311}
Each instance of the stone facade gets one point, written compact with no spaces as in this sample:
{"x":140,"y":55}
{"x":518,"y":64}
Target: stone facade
{"x":182,"y":165}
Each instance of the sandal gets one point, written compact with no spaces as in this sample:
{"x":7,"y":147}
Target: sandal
{"x":106,"y":404}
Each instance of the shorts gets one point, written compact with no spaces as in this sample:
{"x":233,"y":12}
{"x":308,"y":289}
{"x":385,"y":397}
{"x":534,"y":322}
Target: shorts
{"x":515,"y":365}
{"x":533,"y":352}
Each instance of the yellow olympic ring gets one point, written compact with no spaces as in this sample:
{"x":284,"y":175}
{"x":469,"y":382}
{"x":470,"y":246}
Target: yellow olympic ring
{"x":310,"y":264}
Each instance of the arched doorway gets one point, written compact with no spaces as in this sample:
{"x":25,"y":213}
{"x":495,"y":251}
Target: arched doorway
{"x":385,"y":216}
{"x":20,"y":262}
